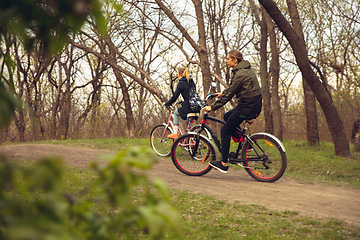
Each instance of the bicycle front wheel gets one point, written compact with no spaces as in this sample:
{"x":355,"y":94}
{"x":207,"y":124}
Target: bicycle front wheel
{"x":266,"y":161}
{"x":197,"y":128}
{"x":159,"y":141}
{"x":191,"y":154}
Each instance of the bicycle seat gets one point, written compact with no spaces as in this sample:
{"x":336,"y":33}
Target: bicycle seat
{"x":248,"y":120}
{"x":193,"y":115}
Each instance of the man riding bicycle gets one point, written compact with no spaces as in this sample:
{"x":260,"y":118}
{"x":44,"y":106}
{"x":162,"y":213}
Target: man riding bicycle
{"x":245,"y":86}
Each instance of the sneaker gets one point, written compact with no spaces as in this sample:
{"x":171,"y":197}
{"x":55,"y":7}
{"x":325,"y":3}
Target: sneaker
{"x":218,"y":166}
{"x":173,"y":135}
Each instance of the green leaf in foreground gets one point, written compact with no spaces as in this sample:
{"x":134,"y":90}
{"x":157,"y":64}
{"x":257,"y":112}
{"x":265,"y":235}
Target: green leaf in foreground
{"x":35,"y":202}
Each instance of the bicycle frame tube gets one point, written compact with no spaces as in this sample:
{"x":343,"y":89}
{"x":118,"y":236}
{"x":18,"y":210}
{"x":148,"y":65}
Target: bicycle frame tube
{"x":196,"y":134}
{"x":206,"y":116}
{"x":204,"y":126}
{"x":248,"y":138}
{"x":171,"y":124}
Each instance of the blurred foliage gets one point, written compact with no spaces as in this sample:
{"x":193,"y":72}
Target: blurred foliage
{"x":48,"y":21}
{"x":45,"y":22}
{"x":34,"y":203}
{"x":8,"y":105}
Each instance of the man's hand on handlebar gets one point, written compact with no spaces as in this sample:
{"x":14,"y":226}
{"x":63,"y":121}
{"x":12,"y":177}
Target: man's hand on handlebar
{"x":218,"y":94}
{"x":206,"y":109}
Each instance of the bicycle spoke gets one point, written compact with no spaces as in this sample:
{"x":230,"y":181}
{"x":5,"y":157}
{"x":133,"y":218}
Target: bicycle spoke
{"x":267,"y":163}
{"x":159,"y":141}
{"x":191,"y":154}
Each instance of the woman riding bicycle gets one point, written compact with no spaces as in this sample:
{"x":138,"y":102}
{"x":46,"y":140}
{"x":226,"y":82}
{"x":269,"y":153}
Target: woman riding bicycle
{"x":245,"y":86}
{"x":183,"y":88}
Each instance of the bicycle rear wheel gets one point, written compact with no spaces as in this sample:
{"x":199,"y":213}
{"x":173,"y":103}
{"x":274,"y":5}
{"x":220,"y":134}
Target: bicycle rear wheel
{"x":191,"y":154}
{"x":271,"y":164}
{"x":159,"y":141}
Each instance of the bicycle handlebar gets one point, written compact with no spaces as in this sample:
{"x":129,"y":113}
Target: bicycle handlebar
{"x":173,"y":106}
{"x":203,"y":103}
{"x":209,"y":96}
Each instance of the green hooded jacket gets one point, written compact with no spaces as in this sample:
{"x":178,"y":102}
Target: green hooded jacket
{"x":243,"y":84}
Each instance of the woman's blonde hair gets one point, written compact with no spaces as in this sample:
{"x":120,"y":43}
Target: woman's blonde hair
{"x":236,"y":54}
{"x":184,"y":72}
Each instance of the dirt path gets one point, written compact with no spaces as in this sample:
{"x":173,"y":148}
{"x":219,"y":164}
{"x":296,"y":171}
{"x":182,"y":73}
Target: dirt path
{"x":285,"y":194}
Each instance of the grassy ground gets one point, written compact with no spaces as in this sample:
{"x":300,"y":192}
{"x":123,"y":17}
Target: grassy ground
{"x":204,"y":218}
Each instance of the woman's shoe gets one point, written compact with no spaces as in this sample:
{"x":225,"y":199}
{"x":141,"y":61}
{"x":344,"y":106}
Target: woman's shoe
{"x":173,"y":135}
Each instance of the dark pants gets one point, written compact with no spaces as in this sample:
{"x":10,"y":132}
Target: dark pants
{"x":232,"y":119}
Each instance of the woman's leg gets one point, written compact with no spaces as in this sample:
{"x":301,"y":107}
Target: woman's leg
{"x":176,"y":125}
{"x":176,"y":121}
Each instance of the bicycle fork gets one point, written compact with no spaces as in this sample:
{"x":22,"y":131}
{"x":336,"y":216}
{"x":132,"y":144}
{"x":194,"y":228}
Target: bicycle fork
{"x":196,"y":145}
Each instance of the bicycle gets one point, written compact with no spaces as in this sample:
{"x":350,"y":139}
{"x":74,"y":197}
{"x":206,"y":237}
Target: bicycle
{"x":158,"y":136}
{"x":159,"y":141}
{"x":261,"y":154}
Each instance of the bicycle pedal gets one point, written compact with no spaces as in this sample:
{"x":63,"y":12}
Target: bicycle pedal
{"x":233,"y":161}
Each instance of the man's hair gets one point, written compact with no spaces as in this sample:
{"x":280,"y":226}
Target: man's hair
{"x":236,"y":54}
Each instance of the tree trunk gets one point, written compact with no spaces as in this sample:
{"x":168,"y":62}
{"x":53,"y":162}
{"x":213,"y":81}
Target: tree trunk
{"x":312,"y":128}
{"x":130,"y":122}
{"x":19,"y":116}
{"x":65,"y":112}
{"x":355,"y":135}
{"x":202,"y":49}
{"x":274,"y":75}
{"x":264,"y":77}
{"x":335,"y":125}
{"x":19,"y":120}
{"x":357,"y":143}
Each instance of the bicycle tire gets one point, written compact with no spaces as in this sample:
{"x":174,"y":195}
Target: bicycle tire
{"x":183,"y":149}
{"x":159,"y":141}
{"x":197,"y":127}
{"x":273,"y":161}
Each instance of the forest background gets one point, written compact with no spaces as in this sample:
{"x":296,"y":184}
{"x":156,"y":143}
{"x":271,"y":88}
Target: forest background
{"x":113,"y":86}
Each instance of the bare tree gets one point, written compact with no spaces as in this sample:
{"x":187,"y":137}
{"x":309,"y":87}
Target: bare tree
{"x":200,"y":47}
{"x":274,"y":74}
{"x":31,"y":68}
{"x":334,"y":122}
{"x":312,"y":129}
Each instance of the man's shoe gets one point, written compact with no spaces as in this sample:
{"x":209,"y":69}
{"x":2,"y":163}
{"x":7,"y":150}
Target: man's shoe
{"x":173,"y":135}
{"x":218,"y":166}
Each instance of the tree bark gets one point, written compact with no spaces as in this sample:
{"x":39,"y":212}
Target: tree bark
{"x":130,"y":122}
{"x":264,"y":77}
{"x":202,"y":49}
{"x":274,"y":72}
{"x":312,"y":129}
{"x":19,"y":116}
{"x":335,"y":125}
